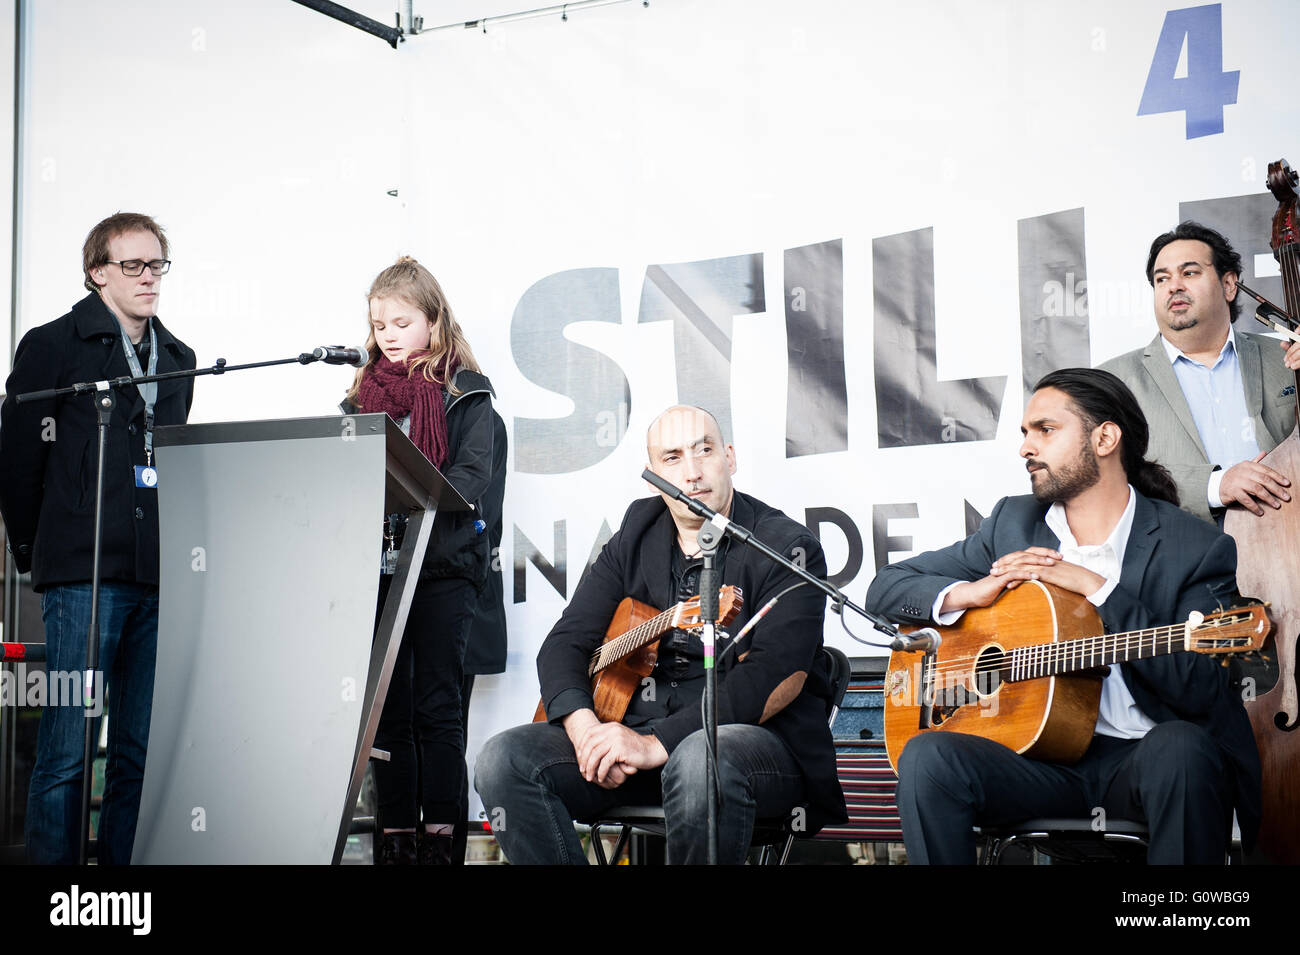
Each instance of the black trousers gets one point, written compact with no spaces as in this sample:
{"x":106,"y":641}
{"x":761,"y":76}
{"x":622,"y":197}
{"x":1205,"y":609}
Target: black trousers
{"x":1175,"y":779}
{"x":460,"y":836}
{"x":423,"y":708}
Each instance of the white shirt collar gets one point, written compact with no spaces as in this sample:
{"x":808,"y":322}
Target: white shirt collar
{"x":1175,"y":353}
{"x":1118,"y":539}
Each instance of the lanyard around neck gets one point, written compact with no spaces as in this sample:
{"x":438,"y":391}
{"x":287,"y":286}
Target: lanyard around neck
{"x":149,"y":392}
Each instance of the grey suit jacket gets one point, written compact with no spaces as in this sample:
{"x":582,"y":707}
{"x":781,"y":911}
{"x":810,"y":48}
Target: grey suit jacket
{"x":1175,"y":442}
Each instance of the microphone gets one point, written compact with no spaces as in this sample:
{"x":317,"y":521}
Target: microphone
{"x":742,"y":534}
{"x":672,"y":490}
{"x":677,"y":494}
{"x":356,"y":356}
{"x":706,"y":512}
{"x":925,"y":639}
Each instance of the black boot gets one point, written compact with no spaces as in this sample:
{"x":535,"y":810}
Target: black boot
{"x":435,"y":849}
{"x":396,"y":848}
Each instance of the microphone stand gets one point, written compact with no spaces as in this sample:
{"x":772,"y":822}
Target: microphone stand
{"x":220,"y":368}
{"x":715,"y":527}
{"x":709,"y":536}
{"x":105,"y":403}
{"x":838,"y":601}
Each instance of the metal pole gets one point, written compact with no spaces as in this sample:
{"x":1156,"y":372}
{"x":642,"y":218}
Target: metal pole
{"x":391,"y":35}
{"x":12,"y":592}
{"x":708,"y":537}
{"x":91,"y":685}
{"x":559,"y":9}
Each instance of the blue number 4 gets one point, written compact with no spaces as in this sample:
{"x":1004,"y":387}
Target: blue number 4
{"x":1206,"y":88}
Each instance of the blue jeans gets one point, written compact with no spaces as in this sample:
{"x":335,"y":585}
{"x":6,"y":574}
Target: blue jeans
{"x":532,"y":791}
{"x":128,"y":640}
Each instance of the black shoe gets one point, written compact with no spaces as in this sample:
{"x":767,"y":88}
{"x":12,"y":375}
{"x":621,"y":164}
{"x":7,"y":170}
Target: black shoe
{"x":435,"y":849}
{"x":396,"y":848}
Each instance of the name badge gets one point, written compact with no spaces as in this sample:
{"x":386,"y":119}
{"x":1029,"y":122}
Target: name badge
{"x":146,"y":476}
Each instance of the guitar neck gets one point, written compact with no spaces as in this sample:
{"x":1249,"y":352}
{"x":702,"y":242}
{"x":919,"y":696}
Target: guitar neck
{"x":616,"y":649}
{"x":1085,"y":653}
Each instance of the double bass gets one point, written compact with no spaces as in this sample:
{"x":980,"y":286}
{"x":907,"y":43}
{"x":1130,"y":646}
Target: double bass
{"x":1268,"y":567}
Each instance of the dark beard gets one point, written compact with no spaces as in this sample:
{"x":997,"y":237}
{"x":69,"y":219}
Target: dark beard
{"x":1068,"y":482}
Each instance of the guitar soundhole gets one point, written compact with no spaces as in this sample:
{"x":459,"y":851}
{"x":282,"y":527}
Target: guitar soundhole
{"x":956,"y":686}
{"x":987,"y":676}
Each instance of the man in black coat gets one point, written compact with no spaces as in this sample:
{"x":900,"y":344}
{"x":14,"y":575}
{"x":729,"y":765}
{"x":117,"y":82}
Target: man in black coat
{"x":774,"y":745}
{"x":47,"y":494}
{"x":1172,"y":744}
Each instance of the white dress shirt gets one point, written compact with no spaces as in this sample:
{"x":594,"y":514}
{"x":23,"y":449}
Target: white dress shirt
{"x":1118,"y":714}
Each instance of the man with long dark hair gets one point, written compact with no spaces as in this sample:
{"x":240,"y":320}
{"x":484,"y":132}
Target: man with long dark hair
{"x":1172,"y":744}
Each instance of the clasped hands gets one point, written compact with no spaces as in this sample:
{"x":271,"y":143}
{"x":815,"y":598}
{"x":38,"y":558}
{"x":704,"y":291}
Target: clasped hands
{"x":1011,"y":570}
{"x":608,"y":753}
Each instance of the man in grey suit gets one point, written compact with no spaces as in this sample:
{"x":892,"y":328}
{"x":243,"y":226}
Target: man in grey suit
{"x":1216,"y":399}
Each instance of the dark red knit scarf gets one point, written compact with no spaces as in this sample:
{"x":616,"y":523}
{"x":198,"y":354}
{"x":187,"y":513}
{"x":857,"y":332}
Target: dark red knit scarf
{"x":388,"y":386}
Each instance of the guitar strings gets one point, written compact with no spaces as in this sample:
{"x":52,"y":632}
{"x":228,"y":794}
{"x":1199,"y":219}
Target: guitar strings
{"x":1042,"y":656}
{"x":620,"y":646}
{"x":1046,"y":654}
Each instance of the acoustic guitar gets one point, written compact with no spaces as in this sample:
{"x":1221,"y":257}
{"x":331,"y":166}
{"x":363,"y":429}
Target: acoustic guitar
{"x":631,"y":648}
{"x":1014,"y":672}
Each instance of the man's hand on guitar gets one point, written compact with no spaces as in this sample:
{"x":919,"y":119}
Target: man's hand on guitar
{"x":975,"y":593}
{"x":1045,"y":564}
{"x":1011,"y":570}
{"x":610,"y":752}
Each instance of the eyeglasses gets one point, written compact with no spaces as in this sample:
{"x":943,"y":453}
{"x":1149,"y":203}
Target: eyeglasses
{"x":134,"y":267}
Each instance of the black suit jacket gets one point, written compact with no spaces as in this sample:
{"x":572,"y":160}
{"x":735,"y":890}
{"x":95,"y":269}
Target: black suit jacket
{"x":47,"y":483}
{"x":635,"y":563}
{"x":1173,"y":564}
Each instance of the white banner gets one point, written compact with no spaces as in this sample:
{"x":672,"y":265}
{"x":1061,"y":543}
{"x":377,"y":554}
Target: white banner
{"x":852,"y":230}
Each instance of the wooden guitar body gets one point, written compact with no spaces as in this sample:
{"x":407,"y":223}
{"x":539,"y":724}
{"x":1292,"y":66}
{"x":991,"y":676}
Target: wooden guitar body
{"x":631,"y":648}
{"x":1051,"y":718}
{"x":1025,"y":672}
{"x":612,"y":687}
